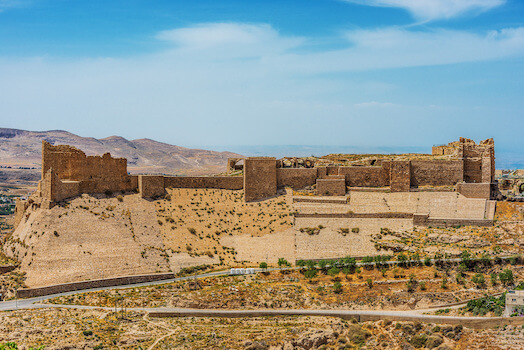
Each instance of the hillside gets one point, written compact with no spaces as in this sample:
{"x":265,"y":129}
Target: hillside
{"x":22,"y":148}
{"x":95,"y":236}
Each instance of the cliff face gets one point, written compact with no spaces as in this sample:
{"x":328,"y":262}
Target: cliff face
{"x":23,"y":148}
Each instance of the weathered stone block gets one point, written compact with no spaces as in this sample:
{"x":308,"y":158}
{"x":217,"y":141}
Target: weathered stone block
{"x":150,"y":186}
{"x":331,"y":187}
{"x":260,"y":178}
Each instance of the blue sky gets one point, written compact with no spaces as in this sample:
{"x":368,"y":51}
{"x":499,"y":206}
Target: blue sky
{"x":227,"y":73}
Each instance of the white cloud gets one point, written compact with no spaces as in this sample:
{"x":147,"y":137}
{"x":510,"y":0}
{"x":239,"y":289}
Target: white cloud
{"x":7,"y":4}
{"x":247,"y":38}
{"x":428,"y":10}
{"x":395,"y":48}
{"x":247,"y":83}
{"x":376,"y":104}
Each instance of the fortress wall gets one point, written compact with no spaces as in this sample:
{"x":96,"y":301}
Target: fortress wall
{"x":151,"y":186}
{"x":297,"y":178}
{"x":473,"y":170}
{"x":364,"y":176}
{"x":260,"y":178}
{"x":436,"y":172}
{"x":223,"y":182}
{"x":76,"y":173}
{"x":20,"y":207}
{"x":488,"y":168}
{"x":443,"y":150}
{"x":72,"y":164}
{"x":331,"y":187}
{"x":473,"y":150}
{"x":474,"y":190}
{"x":400,"y":174}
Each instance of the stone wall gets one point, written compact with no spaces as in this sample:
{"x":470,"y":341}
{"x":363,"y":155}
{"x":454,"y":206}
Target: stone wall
{"x":436,"y":172}
{"x":151,"y":186}
{"x":260,"y":178}
{"x":297,"y":178}
{"x":68,"y":172}
{"x":474,"y":190}
{"x":331,"y":187}
{"x":20,"y":208}
{"x":107,"y":282}
{"x":425,"y":220}
{"x":72,"y":164}
{"x":400,"y":175}
{"x":365,"y":176}
{"x":222,"y":182}
{"x":473,"y":170}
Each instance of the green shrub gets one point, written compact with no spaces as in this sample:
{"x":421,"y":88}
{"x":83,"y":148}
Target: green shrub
{"x":337,"y":287}
{"x":283,"y":262}
{"x":367,"y":259}
{"x":333,"y":271}
{"x":369,"y":282}
{"x":427,"y":261}
{"x":263,"y":265}
{"x":478,"y":279}
{"x":506,"y":277}
{"x":419,"y":341}
{"x":87,"y":333}
{"x":309,"y":274}
{"x":482,"y":306}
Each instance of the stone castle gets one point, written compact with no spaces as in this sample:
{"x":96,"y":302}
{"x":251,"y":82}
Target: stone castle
{"x":462,"y":166}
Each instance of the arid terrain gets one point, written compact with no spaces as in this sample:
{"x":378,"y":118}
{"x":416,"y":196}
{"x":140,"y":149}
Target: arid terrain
{"x":21,"y":151}
{"x":105,"y":329}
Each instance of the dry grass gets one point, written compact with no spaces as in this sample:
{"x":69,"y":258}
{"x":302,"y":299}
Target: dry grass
{"x":194,"y":220}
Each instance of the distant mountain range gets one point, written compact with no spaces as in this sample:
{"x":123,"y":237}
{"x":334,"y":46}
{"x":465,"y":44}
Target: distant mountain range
{"x":23,"y":148}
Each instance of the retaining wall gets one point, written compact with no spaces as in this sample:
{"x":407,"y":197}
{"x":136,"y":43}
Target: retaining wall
{"x":107,"y":282}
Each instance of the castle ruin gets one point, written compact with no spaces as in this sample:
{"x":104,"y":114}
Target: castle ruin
{"x":463,"y":166}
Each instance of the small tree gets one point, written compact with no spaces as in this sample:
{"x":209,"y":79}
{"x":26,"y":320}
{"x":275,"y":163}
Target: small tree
{"x":283,"y":262}
{"x":506,"y":277}
{"x":402,"y":259}
{"x":465,"y":258}
{"x":493,"y":277}
{"x":263,"y":265}
{"x":311,"y":264}
{"x":427,"y":261}
{"x":411,"y":284}
{"x":369,"y":282}
{"x":444,"y":284}
{"x":310,"y":274}
{"x":478,"y":279}
{"x":337,"y":287}
{"x":333,"y":271}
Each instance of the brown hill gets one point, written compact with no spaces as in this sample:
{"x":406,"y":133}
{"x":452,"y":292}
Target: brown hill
{"x":23,"y":148}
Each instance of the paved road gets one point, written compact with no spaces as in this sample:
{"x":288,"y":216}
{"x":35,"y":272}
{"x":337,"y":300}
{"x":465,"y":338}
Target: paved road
{"x":29,"y":303}
{"x":32,"y":303}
